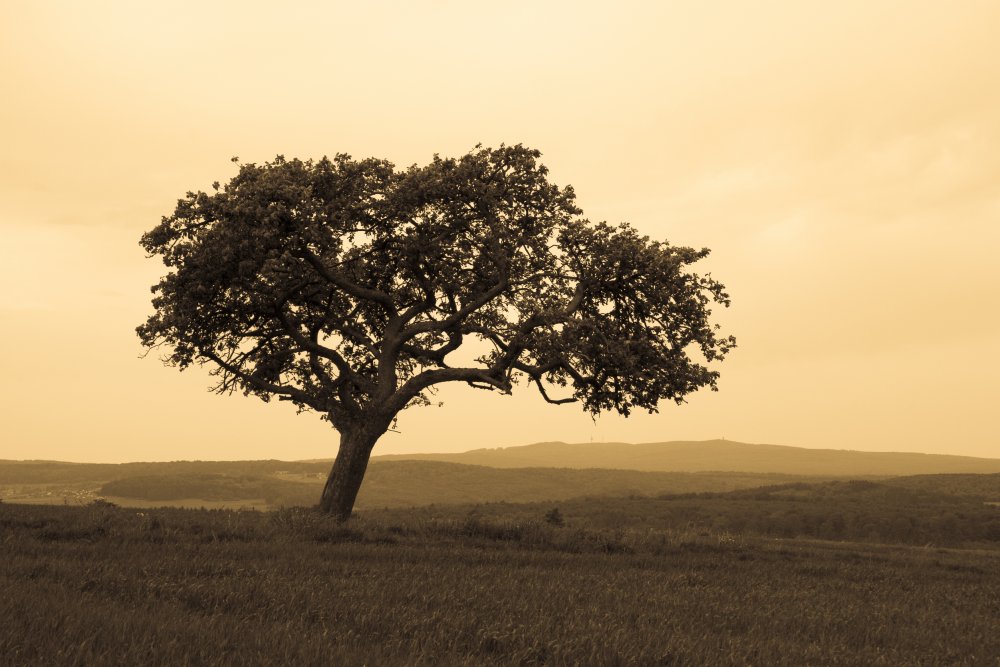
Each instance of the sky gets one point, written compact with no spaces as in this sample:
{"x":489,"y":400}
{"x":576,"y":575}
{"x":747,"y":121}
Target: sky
{"x":841,"y":160}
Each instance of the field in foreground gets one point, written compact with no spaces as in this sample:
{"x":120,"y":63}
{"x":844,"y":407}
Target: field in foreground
{"x":106,"y":585}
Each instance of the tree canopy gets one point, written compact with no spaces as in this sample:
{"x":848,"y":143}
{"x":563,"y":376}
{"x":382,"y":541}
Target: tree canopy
{"x":345,"y":286}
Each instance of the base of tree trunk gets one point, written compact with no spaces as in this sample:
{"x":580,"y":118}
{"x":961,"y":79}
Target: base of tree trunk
{"x":345,"y":478}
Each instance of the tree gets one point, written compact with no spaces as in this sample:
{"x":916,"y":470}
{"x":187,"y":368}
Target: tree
{"x":343,"y":286}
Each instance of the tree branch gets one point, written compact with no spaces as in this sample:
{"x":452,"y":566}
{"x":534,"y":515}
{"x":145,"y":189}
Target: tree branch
{"x":357,"y":291}
{"x":436,"y":355}
{"x":279,"y":390}
{"x":516,"y":345}
{"x":459,"y":315}
{"x":412,"y":387}
{"x":553,"y":401}
{"x":314,"y":347}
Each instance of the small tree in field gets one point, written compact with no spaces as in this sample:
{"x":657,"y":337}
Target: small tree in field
{"x":343,"y":286}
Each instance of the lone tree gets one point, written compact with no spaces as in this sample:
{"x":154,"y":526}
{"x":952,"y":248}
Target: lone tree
{"x":344,"y":286}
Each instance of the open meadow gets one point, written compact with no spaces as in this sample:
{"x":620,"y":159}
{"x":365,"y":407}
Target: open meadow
{"x":598,"y":581}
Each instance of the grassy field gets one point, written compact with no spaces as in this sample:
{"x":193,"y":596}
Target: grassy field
{"x":480,"y":585}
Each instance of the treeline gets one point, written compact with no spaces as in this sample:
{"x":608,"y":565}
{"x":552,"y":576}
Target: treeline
{"x":985,"y":487}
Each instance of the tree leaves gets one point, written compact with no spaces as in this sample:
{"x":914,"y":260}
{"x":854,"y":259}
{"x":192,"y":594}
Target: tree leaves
{"x":344,"y":285}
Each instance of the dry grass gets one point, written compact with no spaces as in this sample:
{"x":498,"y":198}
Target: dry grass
{"x":105,"y":585}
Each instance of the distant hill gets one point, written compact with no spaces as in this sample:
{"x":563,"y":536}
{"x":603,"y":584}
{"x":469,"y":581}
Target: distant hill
{"x":534,"y":473}
{"x":387,"y":483}
{"x":712,"y":455}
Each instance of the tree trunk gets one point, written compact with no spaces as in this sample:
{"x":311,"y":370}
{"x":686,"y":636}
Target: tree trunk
{"x":348,"y":472}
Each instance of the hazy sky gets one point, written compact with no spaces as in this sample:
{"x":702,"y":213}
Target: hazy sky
{"x":841,"y":159}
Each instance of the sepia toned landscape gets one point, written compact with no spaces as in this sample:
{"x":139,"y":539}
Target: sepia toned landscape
{"x":549,"y":333}
{"x":464,"y":564}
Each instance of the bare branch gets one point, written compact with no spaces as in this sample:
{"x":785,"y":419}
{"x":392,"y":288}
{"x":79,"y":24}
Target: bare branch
{"x":553,"y":401}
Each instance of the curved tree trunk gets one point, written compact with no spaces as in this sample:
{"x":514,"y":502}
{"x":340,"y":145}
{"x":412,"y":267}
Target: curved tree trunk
{"x":348,"y":472}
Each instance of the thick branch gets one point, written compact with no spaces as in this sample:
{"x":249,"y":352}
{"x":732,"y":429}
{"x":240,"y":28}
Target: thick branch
{"x":435,"y":355}
{"x":545,"y":395}
{"x":314,"y":347}
{"x":459,"y":315}
{"x":517,"y":342}
{"x":357,"y":291}
{"x":494,"y":376}
{"x":487,"y":333}
{"x":559,"y":363}
{"x":412,"y":387}
{"x":425,"y":304}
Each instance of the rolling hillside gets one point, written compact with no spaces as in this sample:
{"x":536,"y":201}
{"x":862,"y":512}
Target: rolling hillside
{"x":713,"y":455}
{"x":534,"y":473}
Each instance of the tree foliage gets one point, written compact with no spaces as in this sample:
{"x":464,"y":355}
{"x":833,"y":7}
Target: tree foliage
{"x":345,"y":286}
